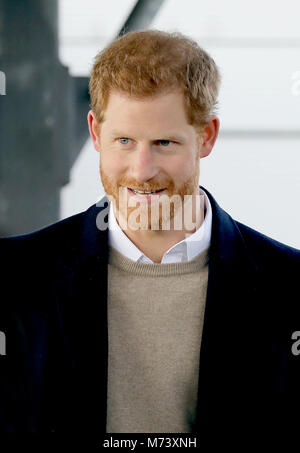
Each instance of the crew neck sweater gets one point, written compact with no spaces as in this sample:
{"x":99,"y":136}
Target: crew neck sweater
{"x":155,"y":321}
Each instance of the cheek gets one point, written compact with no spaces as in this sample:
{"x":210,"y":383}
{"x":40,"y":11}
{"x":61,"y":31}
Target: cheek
{"x":182,"y":167}
{"x":110,"y":162}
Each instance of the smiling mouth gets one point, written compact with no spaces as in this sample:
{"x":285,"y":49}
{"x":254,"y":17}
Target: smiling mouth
{"x":136,"y":192}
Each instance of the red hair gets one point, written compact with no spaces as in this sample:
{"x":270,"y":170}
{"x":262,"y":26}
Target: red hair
{"x":149,"y":62}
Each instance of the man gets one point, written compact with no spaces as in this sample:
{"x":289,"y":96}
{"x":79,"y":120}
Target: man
{"x":119,"y":320}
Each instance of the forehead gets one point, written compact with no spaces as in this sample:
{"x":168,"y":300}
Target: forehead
{"x":167,"y":109}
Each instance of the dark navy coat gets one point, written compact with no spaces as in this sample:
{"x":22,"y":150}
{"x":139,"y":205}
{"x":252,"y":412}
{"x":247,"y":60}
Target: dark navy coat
{"x":53,"y":377}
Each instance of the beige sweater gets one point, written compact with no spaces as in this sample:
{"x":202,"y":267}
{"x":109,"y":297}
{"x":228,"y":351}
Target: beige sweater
{"x":155,"y":319}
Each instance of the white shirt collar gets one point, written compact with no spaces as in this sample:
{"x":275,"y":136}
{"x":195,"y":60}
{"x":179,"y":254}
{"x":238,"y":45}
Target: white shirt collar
{"x":184,"y":250}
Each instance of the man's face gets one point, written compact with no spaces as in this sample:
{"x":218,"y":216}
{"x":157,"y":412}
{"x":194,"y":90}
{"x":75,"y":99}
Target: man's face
{"x":148,"y":145}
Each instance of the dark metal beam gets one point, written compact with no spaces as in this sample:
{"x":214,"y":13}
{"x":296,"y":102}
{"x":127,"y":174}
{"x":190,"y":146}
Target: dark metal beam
{"x":43,"y":115}
{"x":36,"y":117}
{"x":141,"y":16}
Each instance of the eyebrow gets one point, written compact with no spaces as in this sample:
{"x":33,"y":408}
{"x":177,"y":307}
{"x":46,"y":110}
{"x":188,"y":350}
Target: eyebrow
{"x":172,"y":137}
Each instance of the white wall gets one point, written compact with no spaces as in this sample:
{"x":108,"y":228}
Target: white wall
{"x":253,"y":170}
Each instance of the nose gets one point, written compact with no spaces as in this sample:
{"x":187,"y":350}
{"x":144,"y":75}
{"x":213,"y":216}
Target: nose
{"x":143,"y":164}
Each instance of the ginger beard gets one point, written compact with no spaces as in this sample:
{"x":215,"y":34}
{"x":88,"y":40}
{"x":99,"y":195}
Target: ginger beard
{"x":153,"y":215}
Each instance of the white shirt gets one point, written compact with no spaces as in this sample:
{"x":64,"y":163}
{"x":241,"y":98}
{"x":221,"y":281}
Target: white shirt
{"x":185,"y":250}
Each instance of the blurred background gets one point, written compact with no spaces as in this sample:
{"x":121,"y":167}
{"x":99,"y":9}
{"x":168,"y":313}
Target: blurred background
{"x":49,"y":169}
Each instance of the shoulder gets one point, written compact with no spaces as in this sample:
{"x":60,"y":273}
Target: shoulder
{"x":268,"y":252}
{"x":41,"y":245}
{"x":32,"y":262}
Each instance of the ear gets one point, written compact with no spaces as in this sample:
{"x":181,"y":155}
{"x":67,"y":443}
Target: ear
{"x":209,"y":136}
{"x":94,"y":129}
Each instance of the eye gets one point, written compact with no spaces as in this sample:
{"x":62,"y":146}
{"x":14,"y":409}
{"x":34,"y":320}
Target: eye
{"x":164,"y":142}
{"x":124,"y":140}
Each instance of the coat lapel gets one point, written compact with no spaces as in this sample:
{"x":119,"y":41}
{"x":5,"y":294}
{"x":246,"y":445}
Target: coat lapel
{"x":231,"y":350}
{"x":80,"y":292}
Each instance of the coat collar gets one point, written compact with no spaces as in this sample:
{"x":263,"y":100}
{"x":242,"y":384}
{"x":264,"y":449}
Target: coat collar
{"x":228,"y":248}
